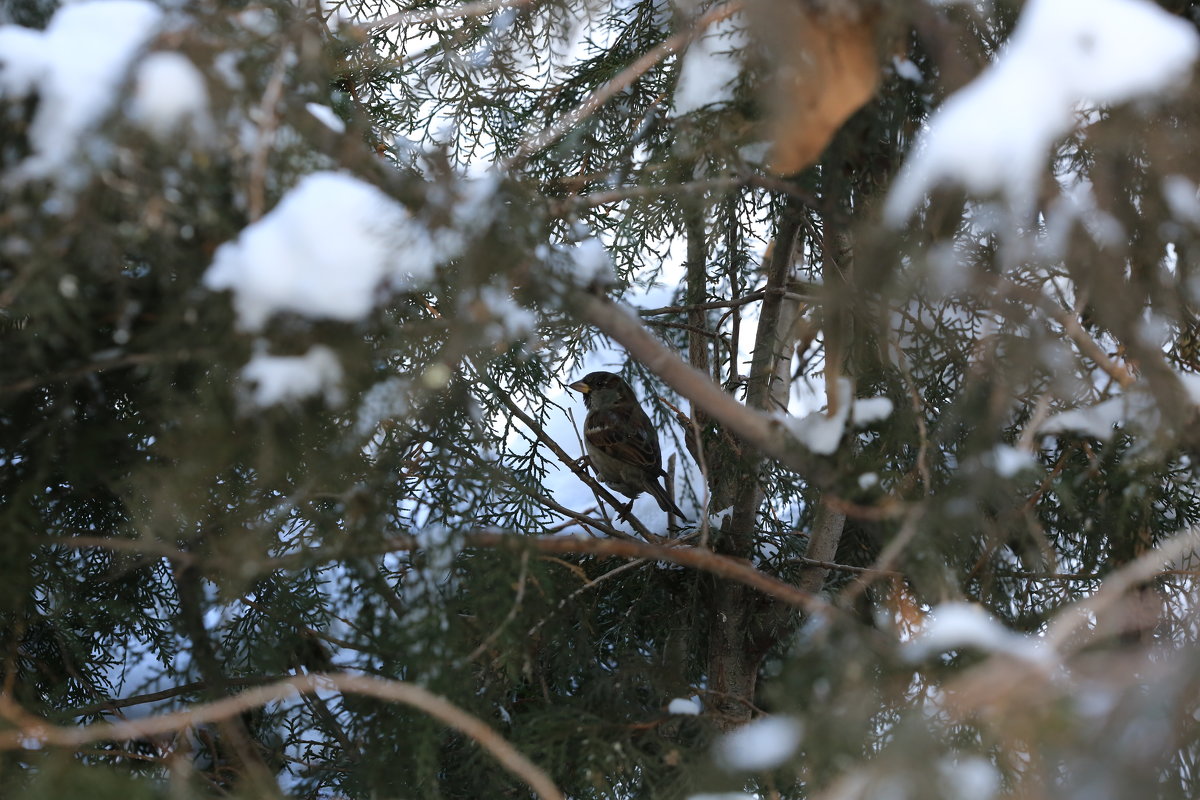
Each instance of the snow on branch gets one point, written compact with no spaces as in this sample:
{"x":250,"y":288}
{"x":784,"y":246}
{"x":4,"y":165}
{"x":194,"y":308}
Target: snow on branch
{"x":995,"y":134}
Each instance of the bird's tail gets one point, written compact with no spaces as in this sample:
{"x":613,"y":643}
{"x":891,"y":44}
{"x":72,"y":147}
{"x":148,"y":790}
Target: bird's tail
{"x":665,"y":502}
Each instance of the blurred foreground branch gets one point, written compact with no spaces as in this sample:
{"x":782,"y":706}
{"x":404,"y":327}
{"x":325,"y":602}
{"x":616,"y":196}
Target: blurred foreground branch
{"x":33,"y":733}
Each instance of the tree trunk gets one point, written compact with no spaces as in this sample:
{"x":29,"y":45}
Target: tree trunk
{"x":741,"y":626}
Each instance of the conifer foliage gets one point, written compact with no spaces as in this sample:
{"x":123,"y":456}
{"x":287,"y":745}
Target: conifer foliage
{"x":291,"y":493}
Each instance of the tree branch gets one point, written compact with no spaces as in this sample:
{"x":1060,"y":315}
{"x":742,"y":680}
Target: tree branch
{"x":405,"y":18}
{"x":34,"y":733}
{"x":732,"y":569}
{"x":822,"y":546}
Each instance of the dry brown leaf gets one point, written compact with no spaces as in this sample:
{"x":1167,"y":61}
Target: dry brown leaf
{"x":906,"y":608}
{"x":827,"y":69}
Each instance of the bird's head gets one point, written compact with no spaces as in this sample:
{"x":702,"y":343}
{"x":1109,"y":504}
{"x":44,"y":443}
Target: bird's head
{"x":604,"y":388}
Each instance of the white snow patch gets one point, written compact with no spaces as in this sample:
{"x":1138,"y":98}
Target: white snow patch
{"x":1191,"y":385}
{"x":688,"y":706}
{"x":1182,"y":197}
{"x":820,"y":432}
{"x":327,"y":117}
{"x":906,"y":69}
{"x":170,"y":96}
{"x":285,"y":379}
{"x":593,"y":265}
{"x":871,"y":409}
{"x":326,"y":251}
{"x":950,"y":626}
{"x":971,"y":778}
{"x":755,"y":153}
{"x":1009,"y":460}
{"x":510,"y":319}
{"x":385,"y":400}
{"x":761,"y":744}
{"x":1097,"y":421}
{"x":711,"y":66}
{"x":995,"y":134}
{"x":717,"y":519}
{"x":76,"y":66}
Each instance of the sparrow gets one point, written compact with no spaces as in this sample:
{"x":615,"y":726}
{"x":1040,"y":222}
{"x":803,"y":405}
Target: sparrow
{"x":621,"y":442}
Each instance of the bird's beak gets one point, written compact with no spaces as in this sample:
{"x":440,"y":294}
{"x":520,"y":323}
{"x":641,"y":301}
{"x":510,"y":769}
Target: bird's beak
{"x":580,"y":387}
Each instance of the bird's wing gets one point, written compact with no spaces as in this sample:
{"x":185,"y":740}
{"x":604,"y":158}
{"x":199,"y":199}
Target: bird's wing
{"x":625,"y":436}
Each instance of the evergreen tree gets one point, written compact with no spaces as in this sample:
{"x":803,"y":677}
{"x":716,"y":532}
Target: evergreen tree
{"x":291,"y":487}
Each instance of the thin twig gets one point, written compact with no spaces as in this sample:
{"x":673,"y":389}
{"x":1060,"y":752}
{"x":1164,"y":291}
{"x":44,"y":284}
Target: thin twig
{"x":683,"y":326}
{"x":836,"y":567}
{"x":1072,"y":327}
{"x":726,"y":567}
{"x":593,"y":583}
{"x":1071,"y":619}
{"x":741,"y":301}
{"x":464,"y":11}
{"x":883,"y":564}
{"x":165,"y":694}
{"x":573,"y":203}
{"x":268,"y":121}
{"x":512,"y":612}
{"x":620,"y":82}
{"x":734,"y":569}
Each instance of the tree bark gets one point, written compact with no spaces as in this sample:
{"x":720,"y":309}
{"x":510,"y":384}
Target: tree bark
{"x":741,"y":626}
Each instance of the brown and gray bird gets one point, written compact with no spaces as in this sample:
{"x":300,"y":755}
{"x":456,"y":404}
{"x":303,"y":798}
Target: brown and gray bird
{"x":621,"y":442}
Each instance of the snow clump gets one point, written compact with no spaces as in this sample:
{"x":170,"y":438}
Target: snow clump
{"x":996,"y":133}
{"x":76,"y":67}
{"x":951,"y":626}
{"x":761,"y":744}
{"x":326,"y":251}
{"x":170,"y":96}
{"x":711,"y":67}
{"x":688,"y":706}
{"x":286,"y":379}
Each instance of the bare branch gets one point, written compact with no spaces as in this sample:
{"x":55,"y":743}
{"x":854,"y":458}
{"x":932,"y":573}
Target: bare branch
{"x":1067,"y":622}
{"x":893,"y":550}
{"x":822,"y":546}
{"x":1072,"y":327}
{"x":575,"y":202}
{"x":740,"y":301}
{"x":836,"y":567}
{"x":34,"y":733}
{"x":268,"y":121}
{"x":733,"y":569}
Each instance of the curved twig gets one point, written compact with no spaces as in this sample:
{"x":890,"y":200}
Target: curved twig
{"x":34,"y":733}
